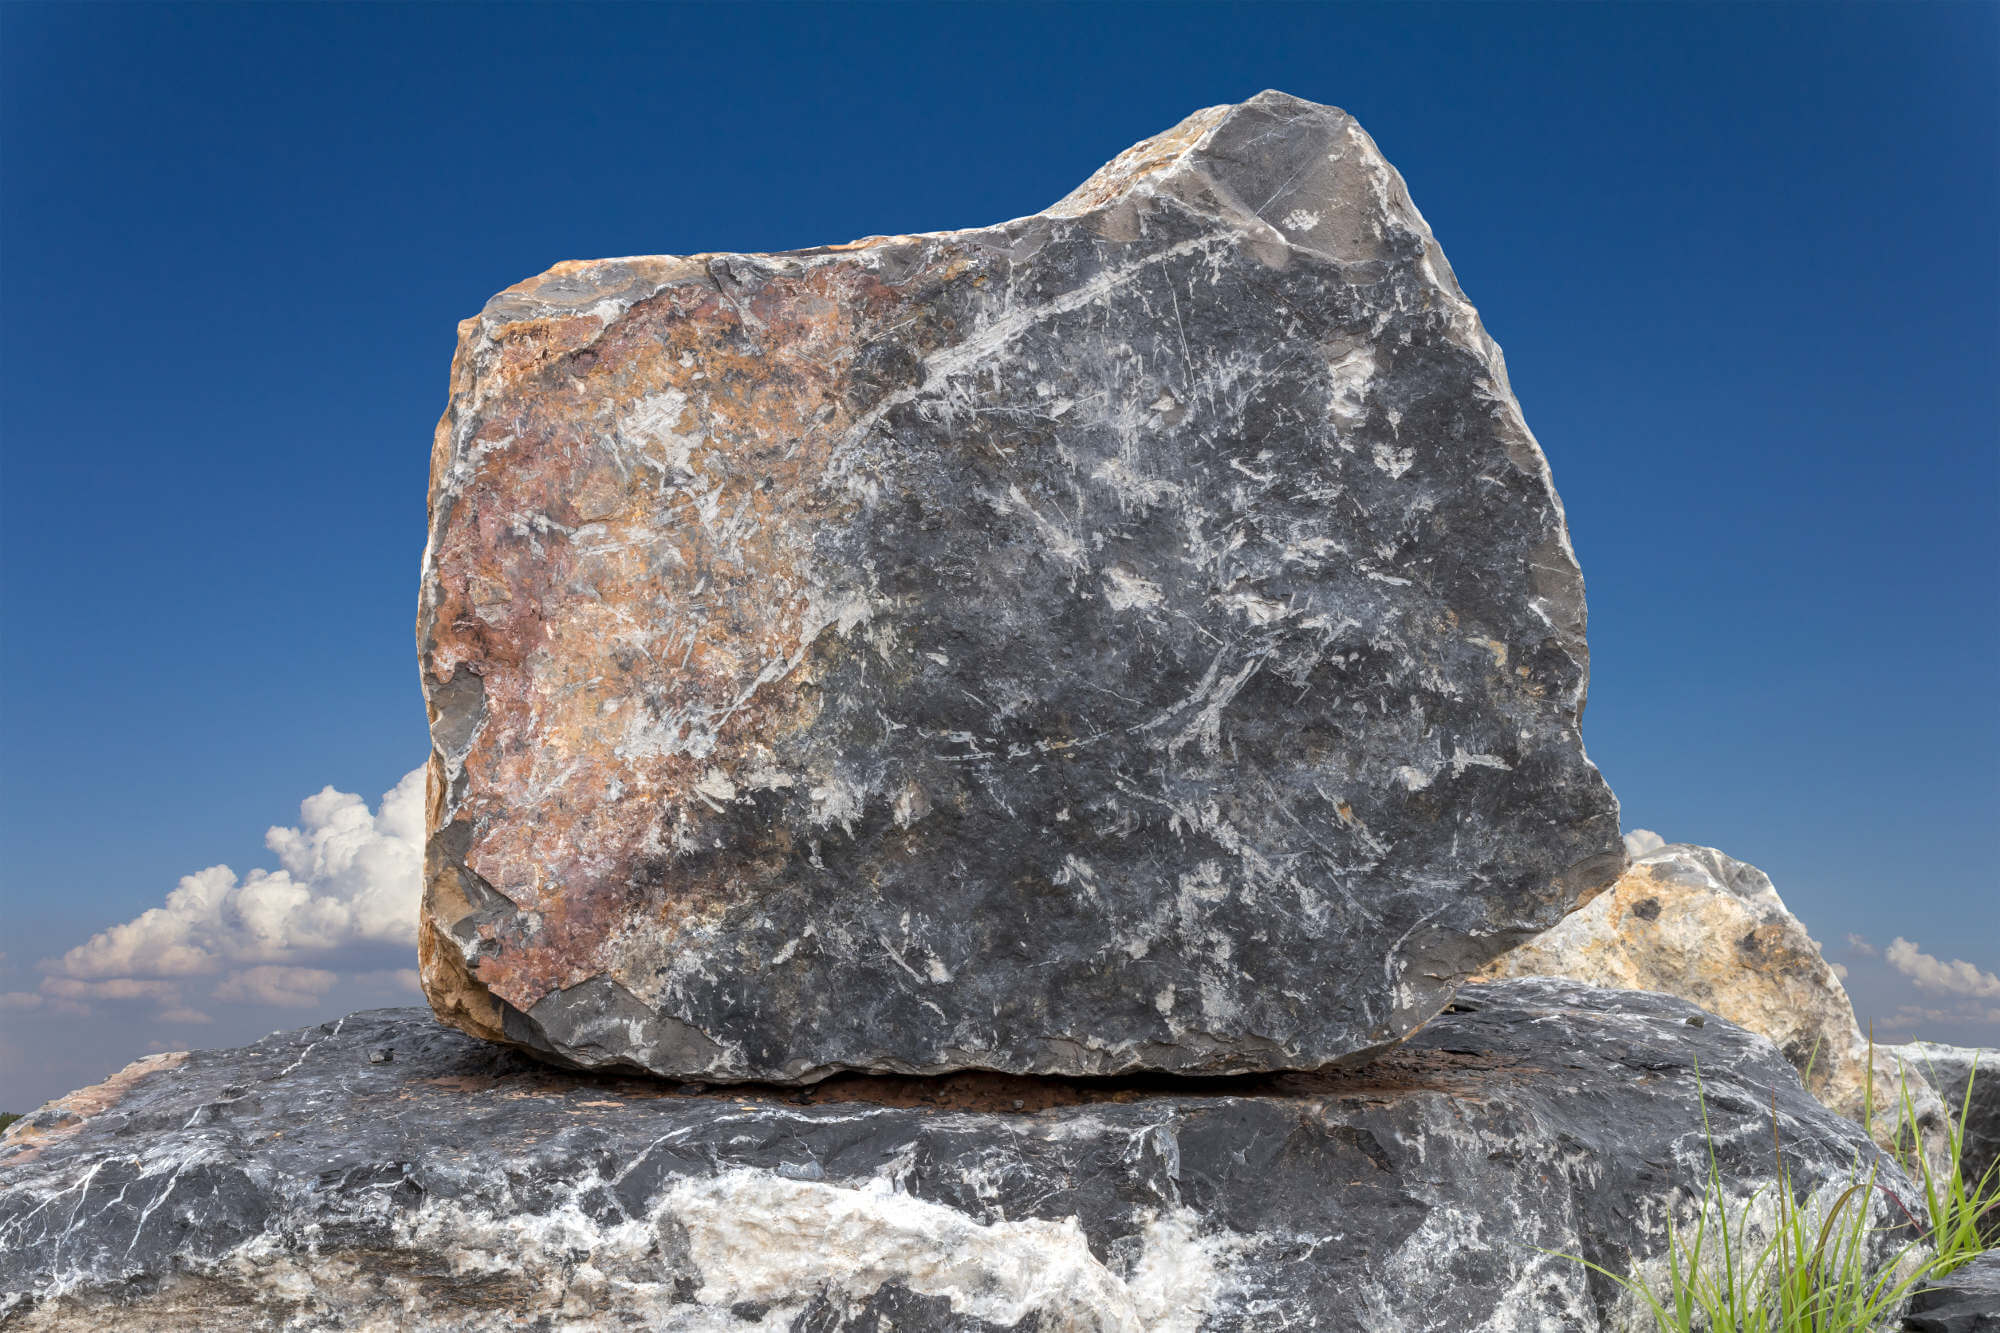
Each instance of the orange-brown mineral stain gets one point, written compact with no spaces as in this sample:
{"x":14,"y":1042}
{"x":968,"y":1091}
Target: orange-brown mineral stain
{"x":23,"y":1141}
{"x":629,"y":567}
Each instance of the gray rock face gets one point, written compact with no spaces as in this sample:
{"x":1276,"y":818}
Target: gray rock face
{"x":302,"y":1183}
{"x":1967,"y":1301}
{"x":1142,"y":635}
{"x":1951,"y":1070}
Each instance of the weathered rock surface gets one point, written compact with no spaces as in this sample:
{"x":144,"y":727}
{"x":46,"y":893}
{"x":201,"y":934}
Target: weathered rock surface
{"x":296,"y":1184}
{"x":1967,"y":1301}
{"x":1951,"y":1071}
{"x":1697,"y":923}
{"x":1141,"y":635}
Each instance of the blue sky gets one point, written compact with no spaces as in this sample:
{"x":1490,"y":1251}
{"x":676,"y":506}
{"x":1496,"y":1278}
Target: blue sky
{"x":1742,"y":260}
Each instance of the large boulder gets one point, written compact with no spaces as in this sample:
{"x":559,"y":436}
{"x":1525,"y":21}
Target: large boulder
{"x":1967,"y":1079}
{"x":1140,"y":635}
{"x":383,"y":1172}
{"x":1695,"y":922}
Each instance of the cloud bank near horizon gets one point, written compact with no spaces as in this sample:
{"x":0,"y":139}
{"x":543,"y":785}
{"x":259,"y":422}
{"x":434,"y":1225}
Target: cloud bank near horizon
{"x":1956,"y":977}
{"x":342,"y":905}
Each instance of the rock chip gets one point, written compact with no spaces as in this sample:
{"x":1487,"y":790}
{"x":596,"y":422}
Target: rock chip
{"x":1953,"y":1071}
{"x":295,"y":1184}
{"x":1142,"y":635}
{"x":1967,"y":1301}
{"x":1695,"y":922}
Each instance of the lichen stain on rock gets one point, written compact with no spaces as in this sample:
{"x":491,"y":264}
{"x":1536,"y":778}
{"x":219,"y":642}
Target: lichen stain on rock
{"x":643,"y":456}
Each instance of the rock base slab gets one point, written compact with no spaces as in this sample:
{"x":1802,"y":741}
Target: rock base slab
{"x":304,"y":1183}
{"x":1967,"y":1301}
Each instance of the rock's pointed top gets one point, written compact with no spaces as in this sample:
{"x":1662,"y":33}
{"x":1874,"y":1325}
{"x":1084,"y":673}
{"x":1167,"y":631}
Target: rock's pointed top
{"x":1200,"y":136}
{"x":1287,"y":173}
{"x":1306,"y":175}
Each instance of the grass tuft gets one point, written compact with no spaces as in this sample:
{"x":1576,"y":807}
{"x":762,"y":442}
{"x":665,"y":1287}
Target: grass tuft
{"x":1814,"y":1271}
{"x":1962,"y":1216}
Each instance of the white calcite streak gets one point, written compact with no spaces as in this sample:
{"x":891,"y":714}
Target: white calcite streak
{"x":763,"y":1238}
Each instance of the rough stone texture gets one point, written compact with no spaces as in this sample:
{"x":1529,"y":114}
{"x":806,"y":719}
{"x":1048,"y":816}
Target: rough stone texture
{"x":1141,"y":635}
{"x":296,"y":1184}
{"x":1951,"y":1070}
{"x":1697,"y":923}
{"x":1967,"y":1301}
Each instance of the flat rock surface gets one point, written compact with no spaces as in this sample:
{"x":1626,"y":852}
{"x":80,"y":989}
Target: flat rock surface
{"x":1967,"y":1301}
{"x":384,"y":1172}
{"x":1142,"y":635}
{"x":1698,"y":923}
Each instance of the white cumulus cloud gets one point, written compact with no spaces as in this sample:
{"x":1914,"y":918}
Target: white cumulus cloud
{"x":1642,"y":840}
{"x":347,"y":879}
{"x":1956,"y":977}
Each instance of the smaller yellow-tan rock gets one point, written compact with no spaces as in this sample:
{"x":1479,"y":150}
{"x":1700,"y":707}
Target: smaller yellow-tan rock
{"x":1694,"y":922}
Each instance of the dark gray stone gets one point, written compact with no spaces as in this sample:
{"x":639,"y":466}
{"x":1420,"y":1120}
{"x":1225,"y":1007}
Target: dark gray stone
{"x":1951,"y":1070}
{"x":1143,"y":635}
{"x":293,"y":1184}
{"x":1967,"y":1301}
